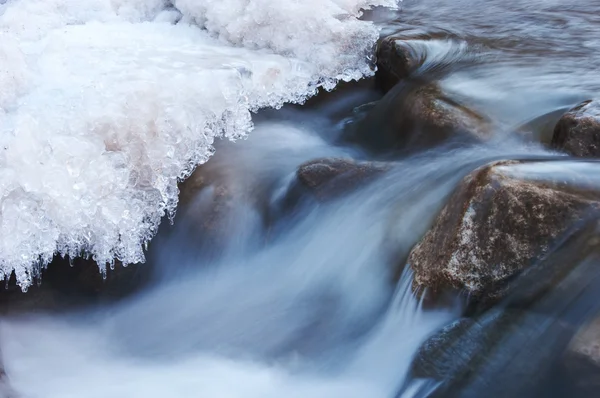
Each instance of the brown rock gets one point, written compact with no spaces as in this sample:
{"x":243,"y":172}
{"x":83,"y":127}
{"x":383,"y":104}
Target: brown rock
{"x":500,"y":219}
{"x":578,"y":131}
{"x":328,"y":178}
{"x":401,"y":55}
{"x":541,"y":128}
{"x":396,"y":60}
{"x":414,"y":116}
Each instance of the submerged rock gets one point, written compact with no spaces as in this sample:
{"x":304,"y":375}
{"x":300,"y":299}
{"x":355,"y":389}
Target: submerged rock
{"x":541,"y":128}
{"x":525,"y":345}
{"x":578,"y":131}
{"x":415,"y":116}
{"x":328,"y":178}
{"x":493,"y":356}
{"x":501,"y":218}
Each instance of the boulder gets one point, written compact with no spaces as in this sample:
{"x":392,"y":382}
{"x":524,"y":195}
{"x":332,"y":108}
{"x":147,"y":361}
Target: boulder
{"x":328,"y":178}
{"x":501,"y":354}
{"x":578,"y":131}
{"x":396,"y":60}
{"x":501,"y":218}
{"x":415,"y":116}
{"x":541,"y":128}
{"x":404,"y":54}
{"x":538,"y":342}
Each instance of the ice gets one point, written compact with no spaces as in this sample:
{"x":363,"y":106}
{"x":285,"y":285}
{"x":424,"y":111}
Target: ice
{"x":106,"y":104}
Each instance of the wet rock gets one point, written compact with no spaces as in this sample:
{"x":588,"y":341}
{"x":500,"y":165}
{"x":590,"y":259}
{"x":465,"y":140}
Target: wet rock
{"x":415,"y":116}
{"x":325,"y":179}
{"x":501,"y":218}
{"x":412,"y":52}
{"x":439,"y":354}
{"x":493,"y":355}
{"x":66,"y":284}
{"x":518,"y":347}
{"x":541,"y":128}
{"x":396,"y":60}
{"x":578,"y":131}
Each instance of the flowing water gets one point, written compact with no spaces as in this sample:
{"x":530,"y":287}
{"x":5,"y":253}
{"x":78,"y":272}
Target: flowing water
{"x":105,"y":104}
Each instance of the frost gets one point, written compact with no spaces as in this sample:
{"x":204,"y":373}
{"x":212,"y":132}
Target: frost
{"x":106,"y":104}
{"x":467,"y":253}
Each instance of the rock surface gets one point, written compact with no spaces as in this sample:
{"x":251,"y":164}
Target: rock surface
{"x":328,"y":178}
{"x":501,"y":218}
{"x":414,"y":51}
{"x":415,"y":116}
{"x":396,"y":60}
{"x":578,"y":131}
{"x":541,"y":128}
{"x":533,"y":343}
{"x":66,"y":284}
{"x":494,"y":356}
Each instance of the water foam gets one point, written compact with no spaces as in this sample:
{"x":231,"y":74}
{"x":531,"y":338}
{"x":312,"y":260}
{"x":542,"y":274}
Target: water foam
{"x":106,"y":104}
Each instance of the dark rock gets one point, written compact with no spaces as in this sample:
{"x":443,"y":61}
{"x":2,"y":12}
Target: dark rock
{"x":531,"y":344}
{"x":493,"y":355}
{"x":328,"y":178}
{"x":439,"y":354}
{"x":501,"y":218}
{"x":413,"y":116}
{"x":66,"y":284}
{"x":578,"y":131}
{"x":396,"y":60}
{"x":404,"y":54}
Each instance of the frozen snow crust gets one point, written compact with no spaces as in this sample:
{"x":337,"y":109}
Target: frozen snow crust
{"x":106,"y":104}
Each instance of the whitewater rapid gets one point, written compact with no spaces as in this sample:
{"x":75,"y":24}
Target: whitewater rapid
{"x":107,"y":104}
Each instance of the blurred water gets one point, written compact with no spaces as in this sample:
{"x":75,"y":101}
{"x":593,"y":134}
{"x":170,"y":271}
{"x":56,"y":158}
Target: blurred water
{"x":310,"y":304}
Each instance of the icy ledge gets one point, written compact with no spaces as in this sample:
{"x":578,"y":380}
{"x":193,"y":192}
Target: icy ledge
{"x":106,"y":104}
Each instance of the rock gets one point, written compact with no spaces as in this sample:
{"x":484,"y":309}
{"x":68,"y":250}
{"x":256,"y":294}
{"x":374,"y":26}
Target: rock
{"x":224,"y":206}
{"x":66,"y":284}
{"x":578,"y":131}
{"x":500,"y":219}
{"x":501,"y":354}
{"x":439,"y":354}
{"x":328,"y":178}
{"x":415,"y":116}
{"x":524,"y":346}
{"x":396,"y":60}
{"x":541,"y":128}
{"x":411,"y":52}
